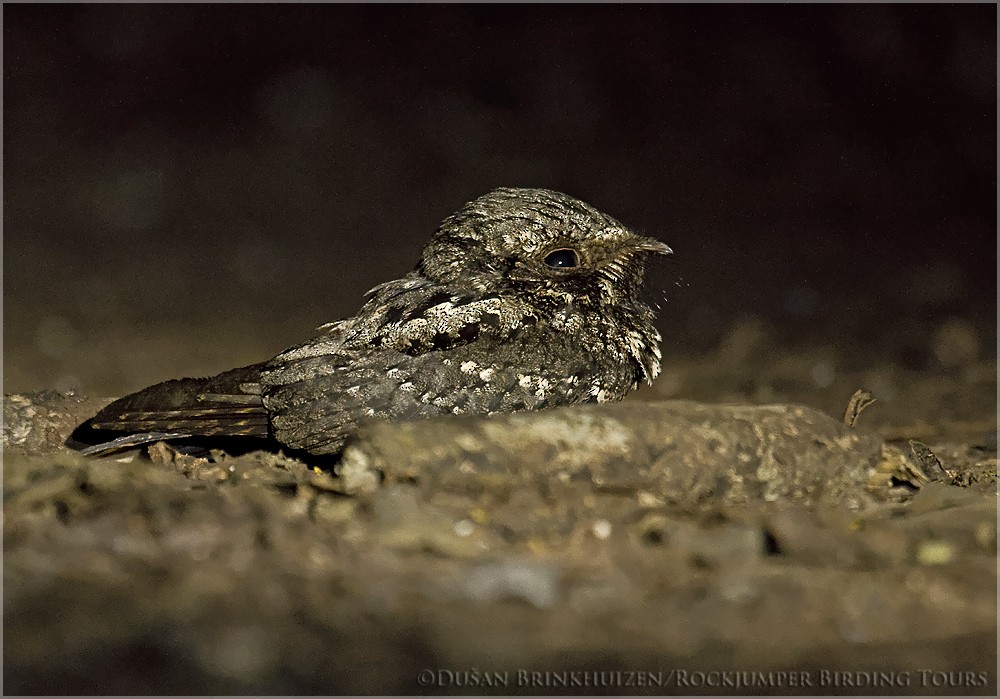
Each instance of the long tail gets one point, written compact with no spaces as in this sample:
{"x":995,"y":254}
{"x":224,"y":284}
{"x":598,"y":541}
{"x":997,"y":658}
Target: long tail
{"x":227,"y":405}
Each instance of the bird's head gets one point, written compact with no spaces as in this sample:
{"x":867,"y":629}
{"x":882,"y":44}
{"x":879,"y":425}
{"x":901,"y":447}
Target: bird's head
{"x":540,"y":243}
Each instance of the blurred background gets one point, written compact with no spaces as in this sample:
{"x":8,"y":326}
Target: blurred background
{"x":189,"y":188}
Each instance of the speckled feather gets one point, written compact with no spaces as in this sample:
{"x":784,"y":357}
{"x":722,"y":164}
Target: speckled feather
{"x":482,"y":325}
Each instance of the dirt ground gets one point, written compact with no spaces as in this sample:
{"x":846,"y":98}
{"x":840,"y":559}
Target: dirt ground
{"x":744,"y":544}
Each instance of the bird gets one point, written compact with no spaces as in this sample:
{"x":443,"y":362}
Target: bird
{"x":523,"y":299}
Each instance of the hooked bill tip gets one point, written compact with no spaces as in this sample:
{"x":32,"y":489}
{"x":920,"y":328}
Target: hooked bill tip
{"x":653,"y":245}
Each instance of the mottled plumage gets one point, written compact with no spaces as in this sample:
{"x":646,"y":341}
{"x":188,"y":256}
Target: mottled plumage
{"x":522,"y":300}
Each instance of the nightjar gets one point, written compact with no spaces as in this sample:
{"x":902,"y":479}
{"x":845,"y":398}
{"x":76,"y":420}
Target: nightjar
{"x":522,"y":300}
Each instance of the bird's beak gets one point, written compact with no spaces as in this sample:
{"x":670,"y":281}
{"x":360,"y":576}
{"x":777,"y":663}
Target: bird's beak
{"x":652,"y":245}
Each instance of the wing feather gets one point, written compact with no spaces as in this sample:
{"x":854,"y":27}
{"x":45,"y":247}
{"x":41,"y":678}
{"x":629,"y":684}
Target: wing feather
{"x":318,"y":411}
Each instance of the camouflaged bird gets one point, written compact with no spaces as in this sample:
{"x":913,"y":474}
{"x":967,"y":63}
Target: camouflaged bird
{"x":524,"y":299}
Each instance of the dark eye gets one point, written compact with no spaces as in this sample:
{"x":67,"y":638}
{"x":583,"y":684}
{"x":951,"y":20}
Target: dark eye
{"x":563,"y":258}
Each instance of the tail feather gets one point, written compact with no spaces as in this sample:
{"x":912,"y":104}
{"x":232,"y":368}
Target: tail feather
{"x":215,"y":426}
{"x":227,"y":405}
{"x":236,"y":421}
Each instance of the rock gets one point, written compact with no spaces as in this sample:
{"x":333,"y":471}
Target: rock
{"x":35,"y":423}
{"x":681,"y":451}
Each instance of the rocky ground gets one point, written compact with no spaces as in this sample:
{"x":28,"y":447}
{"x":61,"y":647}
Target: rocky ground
{"x":748,"y":544}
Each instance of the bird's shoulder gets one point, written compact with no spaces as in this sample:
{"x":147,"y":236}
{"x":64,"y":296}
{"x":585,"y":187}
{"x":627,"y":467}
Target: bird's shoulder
{"x":413,"y":315}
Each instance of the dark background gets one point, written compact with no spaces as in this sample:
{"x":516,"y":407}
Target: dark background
{"x":190,"y":188}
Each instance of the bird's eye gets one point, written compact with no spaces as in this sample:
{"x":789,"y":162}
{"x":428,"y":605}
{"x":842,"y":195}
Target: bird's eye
{"x":563,"y":258}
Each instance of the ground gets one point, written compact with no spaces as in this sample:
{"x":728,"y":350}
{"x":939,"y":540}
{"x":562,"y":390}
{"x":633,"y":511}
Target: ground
{"x":747,"y":543}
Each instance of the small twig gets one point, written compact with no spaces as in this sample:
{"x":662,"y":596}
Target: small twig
{"x":858,"y":402}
